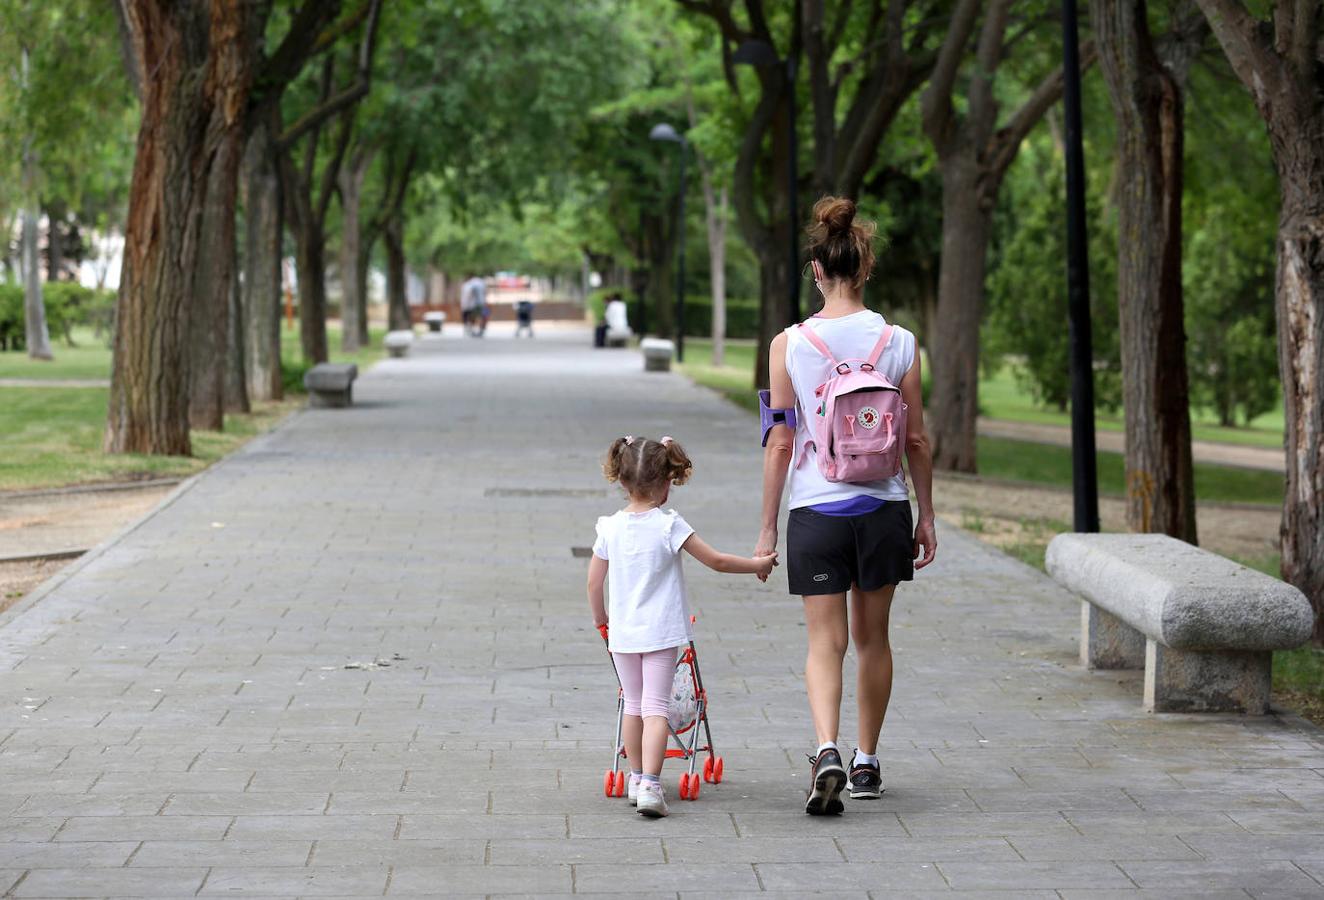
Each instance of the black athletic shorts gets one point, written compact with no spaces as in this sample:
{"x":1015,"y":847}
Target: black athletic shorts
{"x":828,"y":554}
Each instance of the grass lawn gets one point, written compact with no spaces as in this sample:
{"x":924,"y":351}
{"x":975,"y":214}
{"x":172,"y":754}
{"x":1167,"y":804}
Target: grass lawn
{"x":88,"y":358}
{"x":51,"y":436}
{"x":1000,"y":397}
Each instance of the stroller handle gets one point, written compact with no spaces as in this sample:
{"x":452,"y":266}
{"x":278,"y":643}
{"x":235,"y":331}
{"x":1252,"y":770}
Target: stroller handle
{"x":602,"y":630}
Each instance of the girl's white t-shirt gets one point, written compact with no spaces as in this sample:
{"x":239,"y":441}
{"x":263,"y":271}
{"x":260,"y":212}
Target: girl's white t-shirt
{"x":646,"y":604}
{"x":848,"y":337}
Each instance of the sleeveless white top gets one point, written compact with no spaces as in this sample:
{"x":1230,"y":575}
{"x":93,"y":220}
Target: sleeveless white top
{"x":848,"y":337}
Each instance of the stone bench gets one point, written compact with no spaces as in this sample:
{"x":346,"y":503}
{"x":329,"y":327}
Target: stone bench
{"x":330,"y":384}
{"x":434,"y":320}
{"x":657,"y":354}
{"x":1203,"y":627}
{"x":397,"y":343}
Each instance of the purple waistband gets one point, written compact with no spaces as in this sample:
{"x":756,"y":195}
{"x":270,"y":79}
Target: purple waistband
{"x":852,"y":506}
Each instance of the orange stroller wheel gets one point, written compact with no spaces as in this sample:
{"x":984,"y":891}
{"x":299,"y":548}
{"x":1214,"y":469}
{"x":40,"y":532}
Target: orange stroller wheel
{"x":708,"y":769}
{"x":608,"y":781}
{"x":620,"y":784}
{"x":717,"y":771}
{"x":684,"y":787}
{"x":695,"y":784}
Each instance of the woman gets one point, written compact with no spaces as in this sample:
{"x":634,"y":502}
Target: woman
{"x":844,"y":537}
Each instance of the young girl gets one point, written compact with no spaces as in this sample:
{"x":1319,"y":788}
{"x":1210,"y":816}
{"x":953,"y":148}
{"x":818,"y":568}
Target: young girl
{"x":638,"y":551}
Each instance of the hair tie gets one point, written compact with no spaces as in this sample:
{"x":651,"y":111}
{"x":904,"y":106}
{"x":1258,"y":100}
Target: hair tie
{"x":629,"y":440}
{"x":666,"y":439}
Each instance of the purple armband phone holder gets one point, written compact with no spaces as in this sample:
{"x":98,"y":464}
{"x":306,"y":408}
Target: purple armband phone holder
{"x":768,"y":417}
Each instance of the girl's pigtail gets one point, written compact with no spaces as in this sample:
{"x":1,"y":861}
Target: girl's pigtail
{"x":612,"y":467}
{"x":679,"y":467}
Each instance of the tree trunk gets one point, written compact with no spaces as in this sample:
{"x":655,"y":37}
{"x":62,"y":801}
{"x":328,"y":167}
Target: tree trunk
{"x":361,"y":290}
{"x":1299,"y":301}
{"x":213,"y":274}
{"x":54,"y":240}
{"x":397,"y":301}
{"x":34,"y":309}
{"x":236,"y":369}
{"x":262,"y":254}
{"x":310,"y":260}
{"x":775,"y":277}
{"x":191,"y":108}
{"x":1147,"y":104}
{"x":352,"y":306}
{"x":954,"y":344}
{"x":1283,"y":80}
{"x":714,"y":213}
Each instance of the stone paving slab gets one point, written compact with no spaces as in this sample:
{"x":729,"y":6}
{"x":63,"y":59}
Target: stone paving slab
{"x":354,"y":659}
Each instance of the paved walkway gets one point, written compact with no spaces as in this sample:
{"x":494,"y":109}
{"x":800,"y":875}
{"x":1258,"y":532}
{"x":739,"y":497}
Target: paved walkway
{"x":1242,"y":456}
{"x":355,"y":658}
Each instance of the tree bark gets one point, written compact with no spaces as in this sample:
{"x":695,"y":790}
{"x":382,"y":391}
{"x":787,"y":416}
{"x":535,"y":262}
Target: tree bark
{"x":262,"y":255}
{"x":35,"y":330}
{"x":236,"y":369}
{"x":191,"y":109}
{"x":361,"y":291}
{"x":213,"y":274}
{"x":715,"y":217}
{"x":954,"y":344}
{"x":1148,"y":107}
{"x":396,"y":299}
{"x":1282,"y":78}
{"x":352,"y":304}
{"x":54,"y":240}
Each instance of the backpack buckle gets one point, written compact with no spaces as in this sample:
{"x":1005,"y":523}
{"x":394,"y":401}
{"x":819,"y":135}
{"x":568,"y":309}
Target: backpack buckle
{"x":843,"y":368}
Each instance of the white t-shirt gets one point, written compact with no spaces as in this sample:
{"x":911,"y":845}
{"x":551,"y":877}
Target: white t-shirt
{"x":646,"y":604}
{"x":848,"y":337}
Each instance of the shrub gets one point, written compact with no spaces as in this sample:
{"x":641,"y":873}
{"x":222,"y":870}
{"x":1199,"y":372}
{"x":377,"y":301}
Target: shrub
{"x":742,"y":317}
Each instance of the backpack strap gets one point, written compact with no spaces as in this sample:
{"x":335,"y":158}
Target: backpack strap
{"x":809,"y":335}
{"x":878,"y":348}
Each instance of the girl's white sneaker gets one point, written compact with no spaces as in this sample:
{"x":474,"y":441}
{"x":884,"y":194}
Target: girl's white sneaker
{"x":632,"y":789}
{"x":651,"y":800}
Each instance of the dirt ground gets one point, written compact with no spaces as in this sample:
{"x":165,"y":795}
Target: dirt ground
{"x":1014,"y":516}
{"x":33,"y":523}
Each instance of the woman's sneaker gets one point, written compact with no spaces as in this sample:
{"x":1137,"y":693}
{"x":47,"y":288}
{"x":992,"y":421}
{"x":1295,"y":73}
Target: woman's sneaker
{"x":632,"y":789}
{"x":827,"y":778}
{"x":651,"y":800}
{"x":866,"y":781}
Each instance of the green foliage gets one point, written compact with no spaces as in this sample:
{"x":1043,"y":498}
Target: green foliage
{"x":1027,"y":291}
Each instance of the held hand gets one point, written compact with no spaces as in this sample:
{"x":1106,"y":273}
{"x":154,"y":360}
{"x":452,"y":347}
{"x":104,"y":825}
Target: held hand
{"x":766,"y":546}
{"x":766,"y":564}
{"x":926,"y":537}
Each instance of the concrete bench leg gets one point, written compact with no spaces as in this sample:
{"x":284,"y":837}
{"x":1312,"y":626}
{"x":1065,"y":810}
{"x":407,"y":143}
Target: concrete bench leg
{"x":1106,"y":642}
{"x":1207,"y":680}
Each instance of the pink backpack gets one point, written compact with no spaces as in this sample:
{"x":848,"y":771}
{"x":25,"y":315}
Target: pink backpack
{"x":859,"y":427}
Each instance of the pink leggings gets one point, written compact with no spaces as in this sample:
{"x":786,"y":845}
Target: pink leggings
{"x":646,"y":680}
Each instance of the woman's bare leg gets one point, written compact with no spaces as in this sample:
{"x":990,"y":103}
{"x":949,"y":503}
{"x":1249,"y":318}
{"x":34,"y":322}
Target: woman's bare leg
{"x":825,"y":622}
{"x":869,"y":614}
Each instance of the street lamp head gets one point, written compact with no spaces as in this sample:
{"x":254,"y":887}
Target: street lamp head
{"x":664,"y":132}
{"x":755,"y":53}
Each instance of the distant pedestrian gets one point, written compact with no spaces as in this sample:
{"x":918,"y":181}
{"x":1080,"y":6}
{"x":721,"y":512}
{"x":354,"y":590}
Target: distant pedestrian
{"x":844,"y":536}
{"x":637,"y":554}
{"x":473,"y":305}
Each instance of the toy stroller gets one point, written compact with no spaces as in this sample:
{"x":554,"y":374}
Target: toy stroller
{"x":688,"y":710}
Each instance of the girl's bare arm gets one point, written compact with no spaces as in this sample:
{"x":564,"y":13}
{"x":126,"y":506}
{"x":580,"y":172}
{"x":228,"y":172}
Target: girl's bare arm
{"x":597,"y":576}
{"x":728,"y":562}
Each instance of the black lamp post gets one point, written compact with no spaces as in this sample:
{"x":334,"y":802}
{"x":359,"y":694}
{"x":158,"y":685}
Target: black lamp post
{"x":665,"y":132}
{"x":1084,"y":474}
{"x":761,"y":53}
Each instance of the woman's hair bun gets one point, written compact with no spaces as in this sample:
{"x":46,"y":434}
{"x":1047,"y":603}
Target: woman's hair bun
{"x":835,"y":213}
